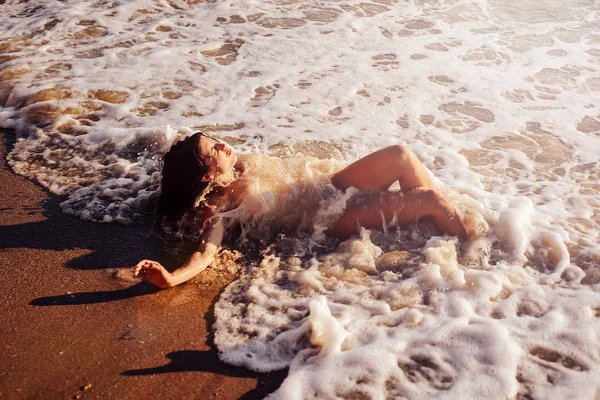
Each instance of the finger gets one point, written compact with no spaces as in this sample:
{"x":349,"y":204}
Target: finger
{"x":141,"y":270}
{"x":149,"y":267}
{"x":139,"y":267}
{"x":143,"y":262}
{"x":142,"y":274}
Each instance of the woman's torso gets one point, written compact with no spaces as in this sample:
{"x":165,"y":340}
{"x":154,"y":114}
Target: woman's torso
{"x":272,"y":194}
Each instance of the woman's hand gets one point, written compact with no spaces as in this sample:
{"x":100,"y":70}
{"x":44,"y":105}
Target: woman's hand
{"x":153,"y":272}
{"x":156,"y":274}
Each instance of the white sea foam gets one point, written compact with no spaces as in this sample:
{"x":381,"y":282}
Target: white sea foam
{"x":410,"y":327}
{"x":500,"y":99}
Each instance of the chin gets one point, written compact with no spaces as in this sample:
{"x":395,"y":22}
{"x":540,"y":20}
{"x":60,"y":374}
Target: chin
{"x":234,"y":160}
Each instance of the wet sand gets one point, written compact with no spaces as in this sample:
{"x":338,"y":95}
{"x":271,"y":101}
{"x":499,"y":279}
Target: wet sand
{"x":76,"y":325}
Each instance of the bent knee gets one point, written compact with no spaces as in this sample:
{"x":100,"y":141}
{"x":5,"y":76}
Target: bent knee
{"x":339,"y":180}
{"x":403,"y":154}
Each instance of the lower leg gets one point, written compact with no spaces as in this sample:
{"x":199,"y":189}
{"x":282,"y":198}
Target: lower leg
{"x":401,"y":208}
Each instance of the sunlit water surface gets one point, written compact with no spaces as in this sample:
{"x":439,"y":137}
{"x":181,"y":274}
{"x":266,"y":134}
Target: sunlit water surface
{"x":500,"y":99}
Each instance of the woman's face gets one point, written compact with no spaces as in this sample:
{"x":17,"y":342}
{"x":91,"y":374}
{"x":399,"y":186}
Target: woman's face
{"x":218,"y":156}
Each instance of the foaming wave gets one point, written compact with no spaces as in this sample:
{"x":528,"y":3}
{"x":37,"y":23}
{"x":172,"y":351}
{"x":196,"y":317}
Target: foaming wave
{"x":102,"y":179}
{"x":371,"y":320}
{"x":499,"y":100}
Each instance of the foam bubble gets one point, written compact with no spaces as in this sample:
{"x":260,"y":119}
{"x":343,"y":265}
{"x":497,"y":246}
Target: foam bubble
{"x":491,"y":325}
{"x":498,"y":99}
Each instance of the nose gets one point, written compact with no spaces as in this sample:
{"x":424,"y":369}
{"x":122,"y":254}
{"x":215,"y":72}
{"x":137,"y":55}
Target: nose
{"x":227,"y":149}
{"x":224,"y":148}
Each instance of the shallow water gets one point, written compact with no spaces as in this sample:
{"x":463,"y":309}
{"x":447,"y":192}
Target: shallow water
{"x":498,"y":98}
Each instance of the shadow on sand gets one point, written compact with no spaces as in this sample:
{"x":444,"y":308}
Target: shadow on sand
{"x":110,"y":245}
{"x":116,"y":246}
{"x":140,"y":289}
{"x":208,"y":361}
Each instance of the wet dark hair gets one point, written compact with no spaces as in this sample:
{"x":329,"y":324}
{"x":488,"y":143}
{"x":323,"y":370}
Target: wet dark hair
{"x":181,"y":184}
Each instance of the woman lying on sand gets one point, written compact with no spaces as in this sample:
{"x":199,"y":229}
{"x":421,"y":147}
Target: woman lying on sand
{"x":200,"y":164}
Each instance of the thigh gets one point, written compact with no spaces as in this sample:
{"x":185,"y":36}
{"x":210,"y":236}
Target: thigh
{"x":380,"y":169}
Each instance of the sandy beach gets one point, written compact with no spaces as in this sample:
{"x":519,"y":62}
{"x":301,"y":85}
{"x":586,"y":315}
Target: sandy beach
{"x":498,"y":99}
{"x":74,"y":326}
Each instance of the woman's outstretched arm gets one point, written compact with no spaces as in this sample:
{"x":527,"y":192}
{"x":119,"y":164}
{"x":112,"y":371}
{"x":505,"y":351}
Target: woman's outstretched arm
{"x":210,"y":244}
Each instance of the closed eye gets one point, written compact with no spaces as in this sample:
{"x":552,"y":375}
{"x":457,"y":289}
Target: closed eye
{"x":212,"y":152}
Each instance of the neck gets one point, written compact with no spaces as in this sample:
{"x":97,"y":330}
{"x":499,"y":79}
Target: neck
{"x":231,"y":175}
{"x":239,"y":167}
